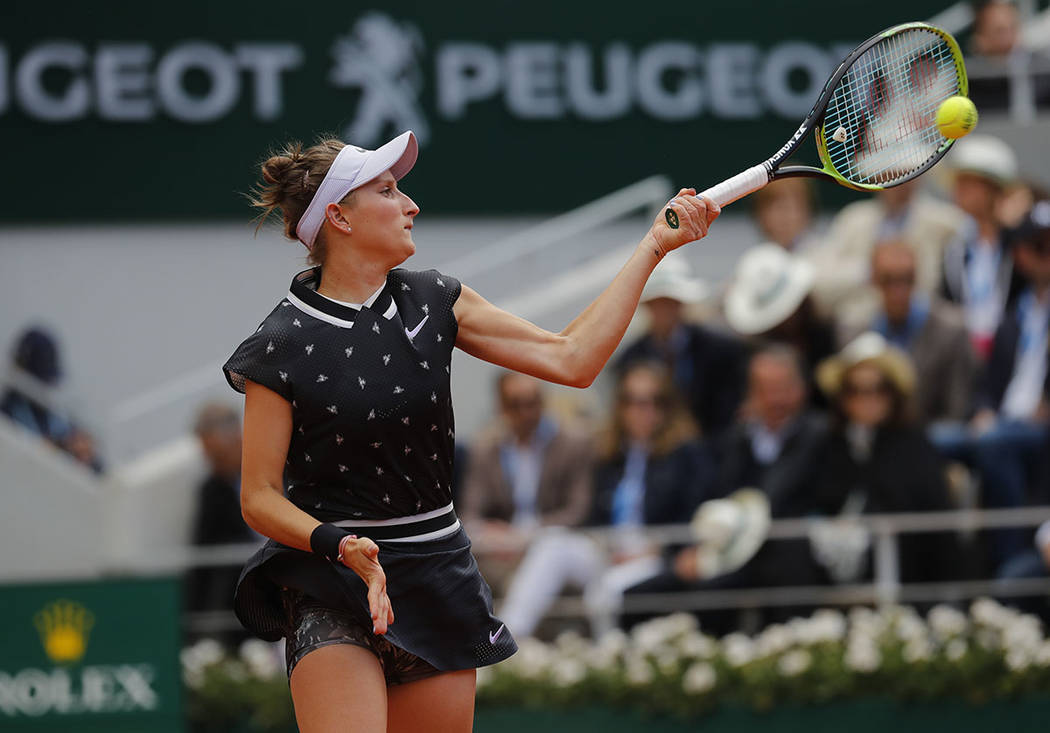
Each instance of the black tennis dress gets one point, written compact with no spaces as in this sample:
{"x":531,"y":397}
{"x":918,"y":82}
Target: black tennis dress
{"x":371,"y":450}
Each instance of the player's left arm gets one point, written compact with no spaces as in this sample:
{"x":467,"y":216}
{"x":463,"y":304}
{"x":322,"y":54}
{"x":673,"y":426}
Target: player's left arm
{"x":577,"y":354}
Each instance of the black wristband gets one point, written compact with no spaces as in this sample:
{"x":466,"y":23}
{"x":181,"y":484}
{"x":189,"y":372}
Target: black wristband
{"x":325,"y":539}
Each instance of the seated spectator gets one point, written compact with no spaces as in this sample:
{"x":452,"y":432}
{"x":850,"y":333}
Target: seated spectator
{"x":707,"y":367}
{"x":1007,"y":437}
{"x":931,"y":331}
{"x":772,"y":448}
{"x":769,"y":299}
{"x":784,"y":213}
{"x":978,"y":269}
{"x":875,"y":460}
{"x":218,"y":519}
{"x":29,"y":400}
{"x":650,"y":470}
{"x":526,"y":471}
{"x":902,"y":212}
{"x":1003,"y":75}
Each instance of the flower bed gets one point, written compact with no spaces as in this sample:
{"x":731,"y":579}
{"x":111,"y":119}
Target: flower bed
{"x":668,"y":666}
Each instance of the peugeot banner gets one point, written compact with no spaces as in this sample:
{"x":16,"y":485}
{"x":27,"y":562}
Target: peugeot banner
{"x":131,"y":111}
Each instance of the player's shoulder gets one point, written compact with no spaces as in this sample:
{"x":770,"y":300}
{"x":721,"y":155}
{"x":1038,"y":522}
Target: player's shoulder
{"x":425,"y":281}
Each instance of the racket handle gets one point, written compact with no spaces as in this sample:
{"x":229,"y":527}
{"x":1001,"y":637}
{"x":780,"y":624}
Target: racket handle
{"x":729,"y":190}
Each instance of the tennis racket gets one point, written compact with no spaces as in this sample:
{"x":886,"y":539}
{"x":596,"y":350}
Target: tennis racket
{"x":875,"y":118}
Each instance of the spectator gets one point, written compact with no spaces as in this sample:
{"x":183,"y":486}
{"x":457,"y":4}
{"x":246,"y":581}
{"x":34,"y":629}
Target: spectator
{"x":902,"y":212}
{"x":773,"y":448}
{"x":769,"y":299}
{"x":784,"y":213}
{"x":978,"y":269}
{"x":707,"y":367}
{"x":650,"y":470}
{"x":526,"y":471}
{"x":1007,"y":436}
{"x":932,"y":332}
{"x":29,"y":401}
{"x":1003,"y":75}
{"x":218,"y":519}
{"x":875,"y":460}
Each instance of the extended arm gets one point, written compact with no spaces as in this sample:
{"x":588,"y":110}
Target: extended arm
{"x":576,"y":355}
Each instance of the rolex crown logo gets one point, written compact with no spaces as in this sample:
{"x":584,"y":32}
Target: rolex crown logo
{"x":64,"y":627}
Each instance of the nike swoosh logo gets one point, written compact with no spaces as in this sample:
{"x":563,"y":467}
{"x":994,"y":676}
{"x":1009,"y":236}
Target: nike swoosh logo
{"x":493,"y":635}
{"x":412,"y":334}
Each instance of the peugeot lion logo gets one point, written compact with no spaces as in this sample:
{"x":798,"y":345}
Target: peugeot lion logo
{"x":380,"y":57}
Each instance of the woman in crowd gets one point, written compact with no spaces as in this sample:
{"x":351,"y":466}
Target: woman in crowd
{"x":650,"y":470}
{"x":875,"y":460}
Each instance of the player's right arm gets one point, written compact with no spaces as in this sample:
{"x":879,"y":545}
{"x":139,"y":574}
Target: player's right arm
{"x":267,"y":432}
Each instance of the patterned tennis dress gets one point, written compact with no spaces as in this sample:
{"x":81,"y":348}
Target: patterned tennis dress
{"x":372,"y":445}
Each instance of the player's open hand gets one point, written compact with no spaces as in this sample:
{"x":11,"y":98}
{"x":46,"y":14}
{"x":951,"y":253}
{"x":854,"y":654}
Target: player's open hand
{"x":362,"y":556}
{"x":695,"y":215}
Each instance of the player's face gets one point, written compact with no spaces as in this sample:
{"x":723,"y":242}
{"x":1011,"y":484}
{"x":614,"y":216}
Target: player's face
{"x":381,"y":217}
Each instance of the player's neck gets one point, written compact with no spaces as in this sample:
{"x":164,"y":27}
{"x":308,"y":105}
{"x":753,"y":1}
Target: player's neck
{"x":351,"y":283}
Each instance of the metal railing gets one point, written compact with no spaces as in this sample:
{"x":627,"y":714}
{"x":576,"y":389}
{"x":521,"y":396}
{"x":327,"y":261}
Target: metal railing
{"x":885,"y":587}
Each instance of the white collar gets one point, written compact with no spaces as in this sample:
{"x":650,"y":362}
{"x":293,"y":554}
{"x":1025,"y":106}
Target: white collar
{"x":357,"y":306}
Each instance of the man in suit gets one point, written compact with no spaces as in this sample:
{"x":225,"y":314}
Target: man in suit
{"x":901,"y":212}
{"x":931,"y":331}
{"x":773,"y":448}
{"x":525,"y":471}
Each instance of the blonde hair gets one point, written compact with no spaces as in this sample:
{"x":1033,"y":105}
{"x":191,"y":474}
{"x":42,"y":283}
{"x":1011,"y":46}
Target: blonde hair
{"x":675,"y":429}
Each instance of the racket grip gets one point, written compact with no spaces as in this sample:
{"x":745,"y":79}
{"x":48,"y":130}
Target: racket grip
{"x":729,"y":190}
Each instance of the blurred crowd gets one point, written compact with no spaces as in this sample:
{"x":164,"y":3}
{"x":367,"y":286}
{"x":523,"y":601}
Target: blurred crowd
{"x":896,"y":363}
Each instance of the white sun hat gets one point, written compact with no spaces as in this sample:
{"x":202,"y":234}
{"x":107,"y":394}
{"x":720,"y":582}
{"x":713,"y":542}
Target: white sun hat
{"x":769,"y":285}
{"x":673,"y":278}
{"x":986,"y":156}
{"x":730,"y":531}
{"x":352,"y":168}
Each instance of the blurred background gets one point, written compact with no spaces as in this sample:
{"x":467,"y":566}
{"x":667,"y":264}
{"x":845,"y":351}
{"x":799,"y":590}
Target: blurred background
{"x":874,"y":368}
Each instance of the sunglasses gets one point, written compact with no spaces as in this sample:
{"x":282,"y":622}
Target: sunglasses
{"x":880,"y":389}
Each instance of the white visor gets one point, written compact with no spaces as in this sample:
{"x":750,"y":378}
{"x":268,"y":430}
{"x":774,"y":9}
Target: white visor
{"x":353,"y":168}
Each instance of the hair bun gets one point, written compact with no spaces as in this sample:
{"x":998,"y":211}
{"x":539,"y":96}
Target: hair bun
{"x":276,"y":169}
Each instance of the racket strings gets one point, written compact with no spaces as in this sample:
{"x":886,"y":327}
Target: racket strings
{"x":886,"y":103}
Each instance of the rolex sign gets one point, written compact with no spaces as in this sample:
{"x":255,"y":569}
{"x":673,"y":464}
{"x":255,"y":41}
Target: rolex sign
{"x":90,"y":657}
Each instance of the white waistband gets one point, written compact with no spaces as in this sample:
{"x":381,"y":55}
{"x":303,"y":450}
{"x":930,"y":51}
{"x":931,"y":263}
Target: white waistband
{"x":396,"y":520}
{"x":435,"y":535}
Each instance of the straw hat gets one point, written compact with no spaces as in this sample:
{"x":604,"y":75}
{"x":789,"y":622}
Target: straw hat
{"x":769,"y":285}
{"x":730,"y":531}
{"x":673,"y":278}
{"x":868,"y":348}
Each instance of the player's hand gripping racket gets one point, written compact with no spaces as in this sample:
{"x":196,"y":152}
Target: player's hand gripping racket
{"x":875,"y":120}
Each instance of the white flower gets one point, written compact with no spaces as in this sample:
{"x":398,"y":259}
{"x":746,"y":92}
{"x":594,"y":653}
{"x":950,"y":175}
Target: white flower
{"x":261,"y":658}
{"x":485,"y":675}
{"x":571,"y":643}
{"x":667,"y":658}
{"x":774,"y":640}
{"x":917,"y":650}
{"x":739,"y":649}
{"x":947,"y":621}
{"x":1042,"y":655}
{"x":532,"y":659}
{"x":699,"y":678}
{"x":955,"y":649}
{"x":1018,"y":660}
{"x":698,"y":646}
{"x":825,"y":625}
{"x":909,"y":626}
{"x":988,"y":639}
{"x":794,"y":663}
{"x":862,"y":655}
{"x":987,"y":612}
{"x":195,"y":659}
{"x":568,"y":671}
{"x":639,"y":671}
{"x":648,"y":636}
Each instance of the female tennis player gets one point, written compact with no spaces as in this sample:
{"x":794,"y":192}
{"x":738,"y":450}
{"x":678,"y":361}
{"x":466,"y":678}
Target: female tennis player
{"x":348,"y":443}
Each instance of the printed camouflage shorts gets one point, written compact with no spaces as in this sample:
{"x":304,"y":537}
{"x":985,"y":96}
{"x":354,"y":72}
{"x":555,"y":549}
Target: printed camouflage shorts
{"x":312,"y":626}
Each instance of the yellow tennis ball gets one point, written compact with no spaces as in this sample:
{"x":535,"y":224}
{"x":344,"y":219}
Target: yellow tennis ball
{"x":957,"y":116}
